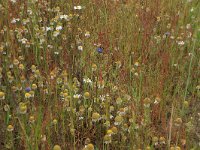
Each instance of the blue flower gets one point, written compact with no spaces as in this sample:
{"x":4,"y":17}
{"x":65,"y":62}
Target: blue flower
{"x":28,"y":89}
{"x":167,"y":33}
{"x":99,"y":49}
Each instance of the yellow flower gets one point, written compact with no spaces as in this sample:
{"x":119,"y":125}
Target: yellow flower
{"x":34,"y":86}
{"x":119,"y":100}
{"x":118,"y":120}
{"x":16,"y":62}
{"x":162,"y":140}
{"x":114,"y":130}
{"x":94,"y":67}
{"x":90,"y":147}
{"x":86,"y":95}
{"x":65,"y":95}
{"x":178,"y":122}
{"x":147,"y":102}
{"x":22,"y":108}
{"x":21,"y":66}
{"x":107,"y":139}
{"x":2,"y":95}
{"x":55,"y":121}
{"x":148,"y":148}
{"x":109,"y":132}
{"x":31,"y":119}
{"x":56,"y":147}
{"x":95,"y":116}
{"x":10,"y":128}
{"x":186,"y":104}
{"x":27,"y":95}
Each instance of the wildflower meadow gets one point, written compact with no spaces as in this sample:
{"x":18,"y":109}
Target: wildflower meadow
{"x":100,"y":74}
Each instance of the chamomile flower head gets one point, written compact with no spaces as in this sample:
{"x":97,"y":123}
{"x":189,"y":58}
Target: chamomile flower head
{"x":86,"y":95}
{"x":94,"y":67}
{"x":107,"y":139}
{"x":178,"y":122}
{"x":16,"y":62}
{"x":147,"y":102}
{"x":136,"y":63}
{"x":27,"y":95}
{"x":21,"y":67}
{"x":80,"y":48}
{"x":59,"y":27}
{"x":90,"y":147}
{"x":114,"y":130}
{"x":2,"y":95}
{"x":77,"y":7}
{"x":55,"y":121}
{"x":157,"y":100}
{"x":109,"y":132}
{"x":87,"y":34}
{"x":56,"y":147}
{"x":186,"y":104}
{"x":95,"y":117}
{"x":10,"y":128}
{"x":155,"y":140}
{"x":119,"y":100}
{"x":162,"y":140}
{"x":118,"y":120}
{"x":31,"y":119}
{"x":22,"y":108}
{"x":34,"y":86}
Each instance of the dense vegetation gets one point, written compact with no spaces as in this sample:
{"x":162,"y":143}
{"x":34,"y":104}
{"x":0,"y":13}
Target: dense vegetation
{"x":99,"y":74}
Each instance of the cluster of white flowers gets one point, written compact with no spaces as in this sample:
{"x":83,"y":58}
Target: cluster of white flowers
{"x":87,"y":80}
{"x":13,"y":1}
{"x":14,"y":20}
{"x":77,"y":7}
{"x":65,"y":17}
{"x":77,"y":96}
